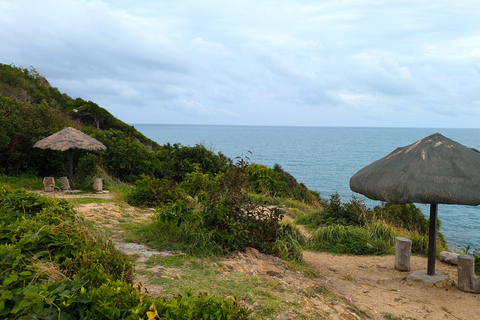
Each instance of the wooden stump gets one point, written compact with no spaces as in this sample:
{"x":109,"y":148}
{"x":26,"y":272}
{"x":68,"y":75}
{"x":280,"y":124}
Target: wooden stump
{"x":467,"y":281}
{"x":403,"y":248}
{"x":97,"y":185}
{"x":49,"y":184}
{"x":64,"y":184}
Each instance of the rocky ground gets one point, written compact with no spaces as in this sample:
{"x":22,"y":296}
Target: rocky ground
{"x":349,"y":287}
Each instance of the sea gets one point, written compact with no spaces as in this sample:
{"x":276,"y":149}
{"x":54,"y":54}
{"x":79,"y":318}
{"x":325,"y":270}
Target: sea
{"x":324,"y":158}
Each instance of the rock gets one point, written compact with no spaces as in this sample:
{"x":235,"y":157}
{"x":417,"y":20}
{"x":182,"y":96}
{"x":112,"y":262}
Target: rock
{"x":449,"y":257}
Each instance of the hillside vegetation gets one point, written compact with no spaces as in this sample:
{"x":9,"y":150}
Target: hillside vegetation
{"x":207,"y":204}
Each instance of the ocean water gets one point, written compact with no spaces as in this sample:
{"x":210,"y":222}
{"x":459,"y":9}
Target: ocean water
{"x":324,"y":158}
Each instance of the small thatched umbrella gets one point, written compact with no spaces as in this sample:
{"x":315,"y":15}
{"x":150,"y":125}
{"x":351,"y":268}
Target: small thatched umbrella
{"x":69,"y":139}
{"x":433,"y":170}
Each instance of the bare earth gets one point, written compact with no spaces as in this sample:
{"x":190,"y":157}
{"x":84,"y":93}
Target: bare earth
{"x":367,"y":283}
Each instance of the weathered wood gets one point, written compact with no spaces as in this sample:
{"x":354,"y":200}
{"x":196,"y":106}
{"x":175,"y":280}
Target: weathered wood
{"x":97,"y":185}
{"x":467,"y":281}
{"x":403,"y":248}
{"x":448,"y":257}
{"x":49,"y":184}
{"x":64,"y":184}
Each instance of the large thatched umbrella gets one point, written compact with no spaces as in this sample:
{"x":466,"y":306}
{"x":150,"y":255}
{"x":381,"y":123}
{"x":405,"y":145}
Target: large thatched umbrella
{"x":433,"y":170}
{"x":69,"y":139}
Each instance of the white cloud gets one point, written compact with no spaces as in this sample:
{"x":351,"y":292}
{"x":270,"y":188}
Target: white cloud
{"x":256,"y":62}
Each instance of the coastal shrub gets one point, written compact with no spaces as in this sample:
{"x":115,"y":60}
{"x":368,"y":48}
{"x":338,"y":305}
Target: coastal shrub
{"x":334,"y":211}
{"x":52,"y":267}
{"x":406,"y":216}
{"x":275,"y":182}
{"x":176,"y":161}
{"x":152,"y":192}
{"x":22,"y":125}
{"x":125,"y":157}
{"x":203,"y":306}
{"x":226,"y":210}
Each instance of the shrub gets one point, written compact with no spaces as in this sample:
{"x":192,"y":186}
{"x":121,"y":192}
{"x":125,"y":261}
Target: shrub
{"x":278,"y":183}
{"x":52,"y":267}
{"x":153,"y":192}
{"x":406,"y":216}
{"x":227,"y":212}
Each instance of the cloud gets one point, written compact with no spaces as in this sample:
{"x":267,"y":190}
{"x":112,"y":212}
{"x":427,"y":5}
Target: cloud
{"x":256,"y":62}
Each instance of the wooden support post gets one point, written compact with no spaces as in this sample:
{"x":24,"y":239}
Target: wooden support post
{"x":72,"y":183}
{"x":403,"y":249}
{"x":432,"y":240}
{"x":467,"y":281}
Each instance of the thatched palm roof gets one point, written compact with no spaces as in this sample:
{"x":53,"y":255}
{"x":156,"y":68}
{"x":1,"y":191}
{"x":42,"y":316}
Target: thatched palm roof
{"x":69,"y":138}
{"x":435,"y":169}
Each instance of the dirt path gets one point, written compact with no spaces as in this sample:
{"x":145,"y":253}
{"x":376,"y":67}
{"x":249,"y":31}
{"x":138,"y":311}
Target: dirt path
{"x":376,"y":287}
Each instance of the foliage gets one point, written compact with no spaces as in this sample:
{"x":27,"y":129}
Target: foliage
{"x":226,"y":216}
{"x":202,"y":306}
{"x":26,"y":181}
{"x":188,"y":237}
{"x":23,"y":125}
{"x":334,"y":211}
{"x":349,"y":213}
{"x":226,"y":211}
{"x":176,"y":161}
{"x":288,"y":244}
{"x":27,"y":85}
{"x":406,"y":216}
{"x":51,"y":266}
{"x":153,"y":192}
{"x":278,"y":183}
{"x":91,"y":114}
{"x":376,"y":239}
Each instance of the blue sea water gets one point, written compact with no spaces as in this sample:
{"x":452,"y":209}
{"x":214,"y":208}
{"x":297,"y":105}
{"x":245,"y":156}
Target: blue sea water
{"x":324,"y":158}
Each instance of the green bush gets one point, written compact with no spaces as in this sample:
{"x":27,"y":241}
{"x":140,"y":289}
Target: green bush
{"x":226,"y":210}
{"x":406,"y":216}
{"x":278,"y":183}
{"x":152,"y":192}
{"x":52,"y":267}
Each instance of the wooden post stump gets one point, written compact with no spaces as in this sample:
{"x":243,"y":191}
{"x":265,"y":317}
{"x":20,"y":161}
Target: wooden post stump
{"x":64,"y":184}
{"x":403,"y":248}
{"x":49,"y":184}
{"x":97,"y":185}
{"x":467,"y":281}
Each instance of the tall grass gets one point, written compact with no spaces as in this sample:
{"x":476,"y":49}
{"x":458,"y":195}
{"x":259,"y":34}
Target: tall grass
{"x":375,"y":239}
{"x":23,"y":181}
{"x":168,"y":235}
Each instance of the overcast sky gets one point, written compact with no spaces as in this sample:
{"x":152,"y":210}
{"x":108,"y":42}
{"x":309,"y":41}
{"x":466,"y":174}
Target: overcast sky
{"x":253,"y":62}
